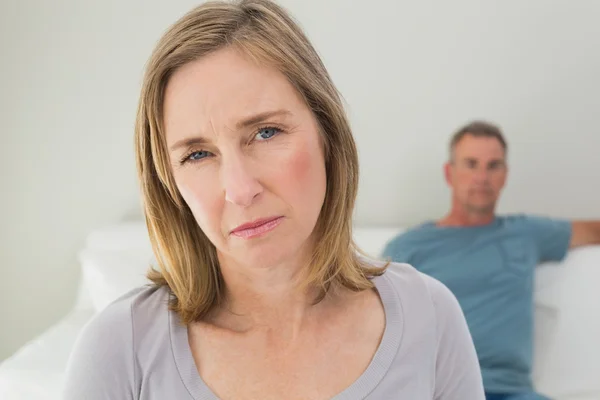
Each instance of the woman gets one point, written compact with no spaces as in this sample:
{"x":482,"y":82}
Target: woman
{"x":249,"y":175}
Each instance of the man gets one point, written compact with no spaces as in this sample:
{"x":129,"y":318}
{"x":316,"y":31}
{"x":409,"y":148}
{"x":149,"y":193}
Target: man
{"x":488,"y":261}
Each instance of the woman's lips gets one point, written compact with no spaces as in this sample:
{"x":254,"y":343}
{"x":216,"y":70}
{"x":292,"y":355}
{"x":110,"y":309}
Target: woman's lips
{"x":256,"y":228}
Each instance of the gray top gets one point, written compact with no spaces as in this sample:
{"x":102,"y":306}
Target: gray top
{"x":137,"y":349}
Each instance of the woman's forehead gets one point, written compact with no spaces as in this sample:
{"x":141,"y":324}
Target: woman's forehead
{"x":225,"y":88}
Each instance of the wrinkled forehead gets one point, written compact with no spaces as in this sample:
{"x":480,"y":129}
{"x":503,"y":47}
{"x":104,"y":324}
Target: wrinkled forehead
{"x":222,"y":88}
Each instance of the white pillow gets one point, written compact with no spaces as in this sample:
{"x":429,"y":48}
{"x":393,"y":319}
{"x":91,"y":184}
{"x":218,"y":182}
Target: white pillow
{"x":108,"y":274}
{"x":548,"y":277}
{"x":122,"y":236}
{"x":571,"y":359}
{"x":128,"y":236}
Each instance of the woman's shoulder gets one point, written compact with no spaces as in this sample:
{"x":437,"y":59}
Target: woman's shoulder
{"x":126,"y":316}
{"x":106,"y":349}
{"x":413,"y":285}
{"x":130,"y":309}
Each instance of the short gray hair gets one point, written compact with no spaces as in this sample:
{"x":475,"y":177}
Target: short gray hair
{"x":478,"y":128}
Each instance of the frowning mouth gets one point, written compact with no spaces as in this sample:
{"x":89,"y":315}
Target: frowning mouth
{"x":256,"y":228}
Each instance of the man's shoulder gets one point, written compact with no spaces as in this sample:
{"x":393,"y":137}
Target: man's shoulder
{"x":414,"y":233}
{"x":531,"y":224}
{"x":525,"y":218}
{"x":410,"y":239}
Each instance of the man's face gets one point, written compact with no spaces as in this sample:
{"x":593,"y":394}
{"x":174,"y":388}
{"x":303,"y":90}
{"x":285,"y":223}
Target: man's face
{"x":477,"y":173}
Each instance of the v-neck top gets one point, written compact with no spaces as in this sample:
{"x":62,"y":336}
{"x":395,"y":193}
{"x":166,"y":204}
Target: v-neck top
{"x":138,"y":349}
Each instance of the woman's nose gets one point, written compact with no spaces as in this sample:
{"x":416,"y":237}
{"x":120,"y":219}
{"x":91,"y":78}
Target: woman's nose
{"x":239,"y":182}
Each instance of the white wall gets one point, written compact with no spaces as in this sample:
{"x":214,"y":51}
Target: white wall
{"x":410,"y":71}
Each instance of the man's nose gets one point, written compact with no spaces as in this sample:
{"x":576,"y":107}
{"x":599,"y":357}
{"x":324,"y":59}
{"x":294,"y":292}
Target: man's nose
{"x":481,"y":175}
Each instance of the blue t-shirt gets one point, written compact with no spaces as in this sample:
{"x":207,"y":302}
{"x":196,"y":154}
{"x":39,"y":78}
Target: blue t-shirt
{"x":490,"y":270}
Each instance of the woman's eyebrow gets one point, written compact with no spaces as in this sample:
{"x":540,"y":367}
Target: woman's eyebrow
{"x":188,"y":142}
{"x":261,"y":117}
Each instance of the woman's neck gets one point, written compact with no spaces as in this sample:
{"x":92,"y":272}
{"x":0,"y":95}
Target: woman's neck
{"x":266,"y":298}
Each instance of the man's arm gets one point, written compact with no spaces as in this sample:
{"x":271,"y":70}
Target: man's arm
{"x":585,"y":233}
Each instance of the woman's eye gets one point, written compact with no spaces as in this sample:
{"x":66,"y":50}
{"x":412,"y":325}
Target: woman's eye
{"x":266,"y":133}
{"x":197,"y":155}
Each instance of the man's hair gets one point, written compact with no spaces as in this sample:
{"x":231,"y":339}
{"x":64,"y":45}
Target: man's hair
{"x":187,"y":260}
{"x":478,"y":129}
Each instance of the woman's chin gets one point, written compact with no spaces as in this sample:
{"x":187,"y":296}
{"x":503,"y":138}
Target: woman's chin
{"x":265,"y":255}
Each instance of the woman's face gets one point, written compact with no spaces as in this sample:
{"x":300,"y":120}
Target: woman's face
{"x":246,"y":156}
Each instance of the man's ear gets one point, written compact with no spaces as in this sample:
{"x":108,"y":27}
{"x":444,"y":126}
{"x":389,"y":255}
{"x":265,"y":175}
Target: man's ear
{"x":448,"y":172}
{"x":505,"y":176}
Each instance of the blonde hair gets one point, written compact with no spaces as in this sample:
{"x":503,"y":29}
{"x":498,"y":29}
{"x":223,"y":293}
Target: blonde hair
{"x":187,"y":260}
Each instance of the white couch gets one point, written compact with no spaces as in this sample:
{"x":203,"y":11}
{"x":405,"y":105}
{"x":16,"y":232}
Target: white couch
{"x":567,"y":355}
